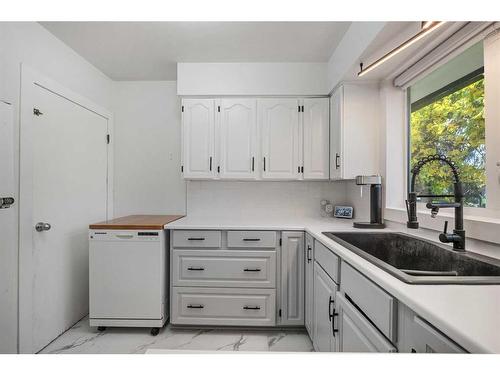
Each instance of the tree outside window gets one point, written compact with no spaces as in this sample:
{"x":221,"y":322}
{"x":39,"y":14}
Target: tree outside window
{"x":451,"y":122}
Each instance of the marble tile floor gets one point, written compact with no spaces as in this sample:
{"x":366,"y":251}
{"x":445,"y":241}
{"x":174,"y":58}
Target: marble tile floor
{"x":83,"y":339}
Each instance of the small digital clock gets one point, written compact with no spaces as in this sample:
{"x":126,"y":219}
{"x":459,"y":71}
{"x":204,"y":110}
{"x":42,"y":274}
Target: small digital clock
{"x":343,"y":212}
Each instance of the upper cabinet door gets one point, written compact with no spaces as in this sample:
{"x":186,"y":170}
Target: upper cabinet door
{"x":279,"y":126}
{"x":198,"y":127}
{"x":316,"y":139}
{"x":238,"y":138}
{"x":336,"y":123}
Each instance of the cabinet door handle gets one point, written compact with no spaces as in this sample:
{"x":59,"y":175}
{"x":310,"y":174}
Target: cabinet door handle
{"x":332,"y":314}
{"x":195,"y":306}
{"x":309,"y":254}
{"x":196,"y":239}
{"x":251,"y":307}
{"x":252,"y":270}
{"x":196,"y":269}
{"x":330,"y":302}
{"x":251,"y":239}
{"x":337,"y":158}
{"x":210,"y":163}
{"x":253,"y":163}
{"x":334,"y":330}
{"x":264,"y":163}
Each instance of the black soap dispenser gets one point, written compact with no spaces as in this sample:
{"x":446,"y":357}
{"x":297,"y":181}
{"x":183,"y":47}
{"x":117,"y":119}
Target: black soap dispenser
{"x":376,"y":221}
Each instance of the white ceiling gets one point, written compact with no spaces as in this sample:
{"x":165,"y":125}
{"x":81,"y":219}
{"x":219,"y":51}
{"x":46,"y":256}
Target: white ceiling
{"x":151,"y":50}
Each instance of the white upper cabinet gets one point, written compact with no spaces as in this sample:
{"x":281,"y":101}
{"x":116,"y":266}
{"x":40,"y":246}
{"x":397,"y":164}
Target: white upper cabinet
{"x":198,"y":134}
{"x":238,"y":138}
{"x":315,"y":139}
{"x":354,"y":135}
{"x":280,"y":138}
{"x":336,"y":116}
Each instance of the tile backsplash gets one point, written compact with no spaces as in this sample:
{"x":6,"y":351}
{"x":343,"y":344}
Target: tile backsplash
{"x":269,"y":198}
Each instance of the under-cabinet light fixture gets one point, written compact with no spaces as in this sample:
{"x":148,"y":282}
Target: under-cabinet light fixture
{"x":427,"y":28}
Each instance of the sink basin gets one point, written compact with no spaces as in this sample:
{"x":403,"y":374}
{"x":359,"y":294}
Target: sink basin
{"x":418,"y":261}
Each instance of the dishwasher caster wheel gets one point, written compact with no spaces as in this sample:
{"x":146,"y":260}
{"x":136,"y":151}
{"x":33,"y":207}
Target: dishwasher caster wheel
{"x":155,"y":331}
{"x":101,"y":328}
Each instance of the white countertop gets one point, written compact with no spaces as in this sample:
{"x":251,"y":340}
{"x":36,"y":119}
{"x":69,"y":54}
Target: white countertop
{"x":468,"y":314}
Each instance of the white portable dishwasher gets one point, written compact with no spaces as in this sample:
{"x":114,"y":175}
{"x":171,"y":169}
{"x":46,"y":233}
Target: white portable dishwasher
{"x":128,"y":278}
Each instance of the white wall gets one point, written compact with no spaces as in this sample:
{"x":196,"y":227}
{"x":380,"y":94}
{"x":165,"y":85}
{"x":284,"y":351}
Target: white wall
{"x":262,"y":198}
{"x":147,"y":175}
{"x":30,"y":43}
{"x":252,"y":79}
{"x":355,"y":41}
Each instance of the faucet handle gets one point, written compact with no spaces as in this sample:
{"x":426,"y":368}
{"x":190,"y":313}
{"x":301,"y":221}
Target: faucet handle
{"x":445,"y":227}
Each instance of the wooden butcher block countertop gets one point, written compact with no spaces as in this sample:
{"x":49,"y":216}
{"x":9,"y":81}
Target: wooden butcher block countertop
{"x":154,"y":222}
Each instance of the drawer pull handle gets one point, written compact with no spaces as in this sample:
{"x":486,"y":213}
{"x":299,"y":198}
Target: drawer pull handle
{"x":252,"y":270}
{"x":251,"y":239}
{"x":196,"y":239}
{"x":309,"y":253}
{"x":251,"y":307}
{"x":196,"y":269}
{"x":195,"y":306}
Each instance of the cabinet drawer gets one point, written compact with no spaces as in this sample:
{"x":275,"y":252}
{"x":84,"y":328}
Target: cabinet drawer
{"x":379,"y":306}
{"x":327,"y":260}
{"x":357,"y":334}
{"x":223,"y":306}
{"x":196,"y":238}
{"x":253,"y":238}
{"x":224,"y":268}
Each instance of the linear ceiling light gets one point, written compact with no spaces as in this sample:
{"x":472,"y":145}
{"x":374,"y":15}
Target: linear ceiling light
{"x":427,"y":28}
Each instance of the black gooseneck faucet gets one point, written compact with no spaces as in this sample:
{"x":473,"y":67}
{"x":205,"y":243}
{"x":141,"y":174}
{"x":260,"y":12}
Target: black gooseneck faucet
{"x":458,"y":235}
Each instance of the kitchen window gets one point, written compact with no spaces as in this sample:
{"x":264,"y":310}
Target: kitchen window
{"x":446,"y":116}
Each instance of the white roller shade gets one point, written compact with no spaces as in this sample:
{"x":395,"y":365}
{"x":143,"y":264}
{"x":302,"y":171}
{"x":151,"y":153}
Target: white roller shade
{"x":465,"y":37}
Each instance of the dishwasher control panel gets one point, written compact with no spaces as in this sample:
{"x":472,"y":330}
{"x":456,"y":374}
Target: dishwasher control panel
{"x":125,"y":235}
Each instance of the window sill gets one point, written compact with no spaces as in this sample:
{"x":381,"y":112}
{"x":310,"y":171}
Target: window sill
{"x":477,"y":227}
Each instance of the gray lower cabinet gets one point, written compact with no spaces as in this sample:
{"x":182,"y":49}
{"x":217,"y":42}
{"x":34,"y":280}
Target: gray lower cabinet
{"x":355,"y":333}
{"x":426,"y":339}
{"x":324,"y":334}
{"x":309,"y":285}
{"x":419,"y":336}
{"x":291,"y":309}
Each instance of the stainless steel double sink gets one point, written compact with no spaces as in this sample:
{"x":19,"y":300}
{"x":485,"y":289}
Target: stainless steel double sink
{"x":418,"y":261}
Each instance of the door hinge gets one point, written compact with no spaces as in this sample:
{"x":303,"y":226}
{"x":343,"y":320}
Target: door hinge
{"x":182,"y":108}
{"x":108,"y":138}
{"x":279,"y":313}
{"x":37,"y":112}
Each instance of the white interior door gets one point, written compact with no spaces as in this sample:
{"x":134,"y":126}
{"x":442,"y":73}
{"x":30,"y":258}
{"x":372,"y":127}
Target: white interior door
{"x":238,"y":137}
{"x":8,"y":234}
{"x":279,"y":123}
{"x":69,"y":192}
{"x":198,"y":127}
{"x":316,"y":138}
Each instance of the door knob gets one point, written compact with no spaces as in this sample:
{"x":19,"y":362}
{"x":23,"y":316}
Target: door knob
{"x":40,"y":227}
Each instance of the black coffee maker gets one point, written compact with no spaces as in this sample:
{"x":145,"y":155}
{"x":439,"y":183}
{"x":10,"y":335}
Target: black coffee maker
{"x":376,"y":221}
